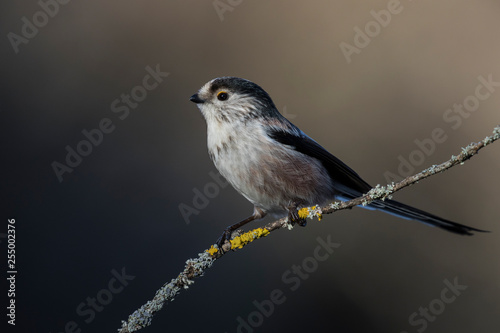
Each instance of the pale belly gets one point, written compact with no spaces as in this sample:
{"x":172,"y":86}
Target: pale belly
{"x":274,"y":177}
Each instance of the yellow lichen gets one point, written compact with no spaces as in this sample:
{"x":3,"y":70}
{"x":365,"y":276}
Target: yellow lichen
{"x":303,"y":213}
{"x":212,"y":250}
{"x":306,"y":212}
{"x":248,"y":237}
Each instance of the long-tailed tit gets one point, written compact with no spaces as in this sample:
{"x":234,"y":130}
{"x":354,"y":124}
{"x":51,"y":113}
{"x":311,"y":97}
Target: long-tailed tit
{"x":275,"y":165}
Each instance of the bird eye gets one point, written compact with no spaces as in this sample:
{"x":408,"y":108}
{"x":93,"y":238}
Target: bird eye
{"x":222,"y":96}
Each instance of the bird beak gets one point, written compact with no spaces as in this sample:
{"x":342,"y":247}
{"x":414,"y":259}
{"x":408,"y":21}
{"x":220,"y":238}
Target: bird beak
{"x":196,"y":99}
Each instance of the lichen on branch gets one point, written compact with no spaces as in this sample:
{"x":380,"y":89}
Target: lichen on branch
{"x":197,"y":266}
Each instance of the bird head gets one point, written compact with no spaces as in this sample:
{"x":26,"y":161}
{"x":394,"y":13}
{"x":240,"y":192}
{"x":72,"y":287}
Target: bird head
{"x":231,"y":99}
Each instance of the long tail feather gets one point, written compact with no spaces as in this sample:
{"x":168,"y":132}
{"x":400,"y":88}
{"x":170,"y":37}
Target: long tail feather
{"x":401,"y":210}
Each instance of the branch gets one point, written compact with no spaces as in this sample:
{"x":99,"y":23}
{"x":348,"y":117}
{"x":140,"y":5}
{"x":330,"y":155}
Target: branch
{"x":196,"y":267}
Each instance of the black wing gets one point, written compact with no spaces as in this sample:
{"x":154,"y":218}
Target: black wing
{"x":350,"y":185}
{"x":346,"y":181}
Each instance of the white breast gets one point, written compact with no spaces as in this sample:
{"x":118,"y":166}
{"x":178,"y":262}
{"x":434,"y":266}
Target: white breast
{"x":268,"y":174}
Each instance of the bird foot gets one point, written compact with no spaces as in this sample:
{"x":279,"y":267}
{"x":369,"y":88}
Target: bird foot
{"x":226,"y":236}
{"x":293,"y":216}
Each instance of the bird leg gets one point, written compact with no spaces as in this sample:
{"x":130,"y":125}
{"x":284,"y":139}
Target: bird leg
{"x":293,"y":215}
{"x":226,"y":235}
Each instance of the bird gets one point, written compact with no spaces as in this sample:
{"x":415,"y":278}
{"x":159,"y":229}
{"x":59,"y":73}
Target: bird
{"x":275,"y":165}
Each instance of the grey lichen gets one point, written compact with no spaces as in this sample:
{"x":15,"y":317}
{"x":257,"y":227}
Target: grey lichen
{"x":379,"y":192}
{"x":143,"y":316}
{"x":432,"y":169}
{"x":335,"y":205}
{"x":492,"y":138}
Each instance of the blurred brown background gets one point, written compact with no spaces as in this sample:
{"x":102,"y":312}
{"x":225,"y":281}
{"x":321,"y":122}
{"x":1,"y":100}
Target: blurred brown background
{"x":120,"y":206}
